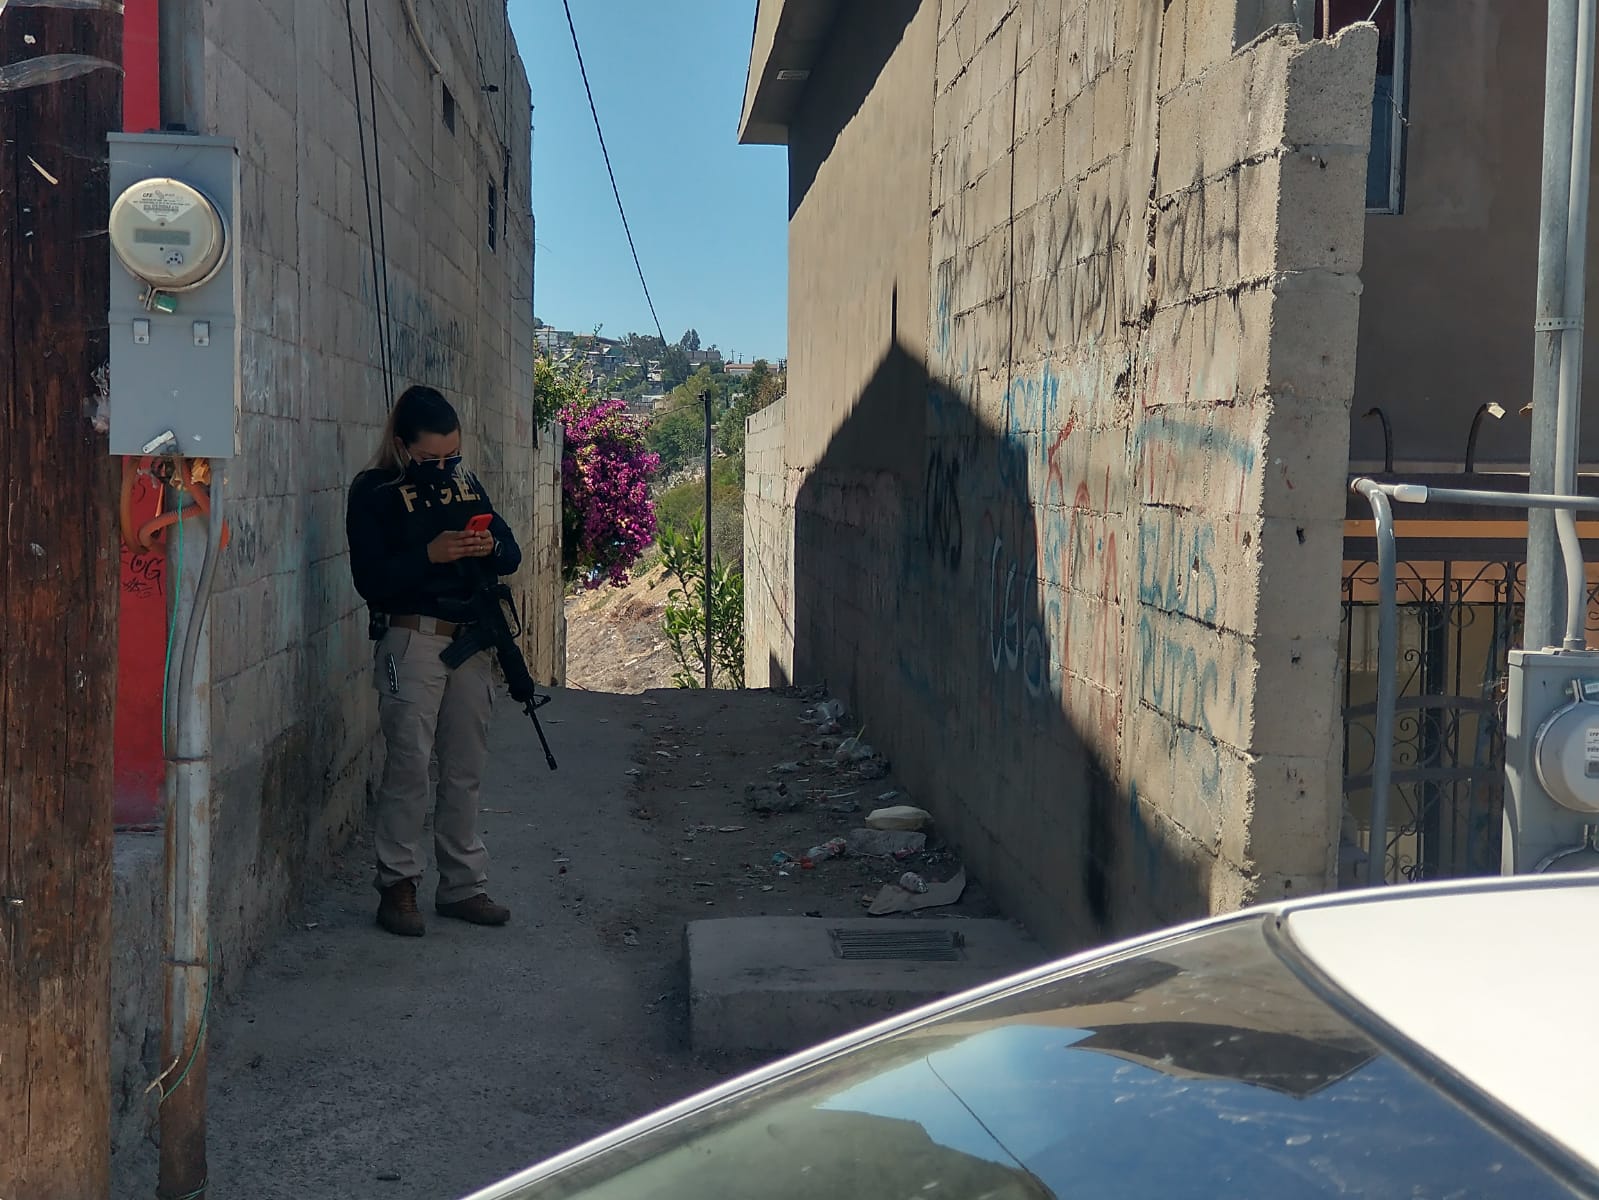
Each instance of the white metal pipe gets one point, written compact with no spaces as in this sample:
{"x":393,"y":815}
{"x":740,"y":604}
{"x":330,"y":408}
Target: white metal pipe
{"x":1568,"y":420}
{"x":1382,"y":753}
{"x":1421,"y":493}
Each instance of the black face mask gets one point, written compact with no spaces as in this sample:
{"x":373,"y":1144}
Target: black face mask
{"x":433,"y":471}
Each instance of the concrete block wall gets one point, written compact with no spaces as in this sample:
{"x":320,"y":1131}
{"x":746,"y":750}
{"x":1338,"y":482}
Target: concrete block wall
{"x":769,"y":551}
{"x":293,"y":712}
{"x":1240,"y":403}
{"x":1071,"y":546}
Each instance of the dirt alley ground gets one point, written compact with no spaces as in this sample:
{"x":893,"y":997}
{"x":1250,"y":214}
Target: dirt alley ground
{"x":358,"y":1065}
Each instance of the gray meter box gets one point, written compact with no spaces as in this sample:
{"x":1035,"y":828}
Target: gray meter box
{"x":1551,"y":756}
{"x":177,"y":372}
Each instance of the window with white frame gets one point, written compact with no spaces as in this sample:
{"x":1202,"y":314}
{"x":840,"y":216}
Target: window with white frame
{"x":1385,"y":171}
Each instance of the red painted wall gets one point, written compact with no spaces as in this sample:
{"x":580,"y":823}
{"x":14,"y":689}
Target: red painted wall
{"x":141,"y":639}
{"x":141,"y":64}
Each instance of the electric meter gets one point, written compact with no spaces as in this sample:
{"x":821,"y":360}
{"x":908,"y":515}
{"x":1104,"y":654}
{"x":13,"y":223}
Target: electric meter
{"x":1566,"y":751}
{"x":169,"y":234}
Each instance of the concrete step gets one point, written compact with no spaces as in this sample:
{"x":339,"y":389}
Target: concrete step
{"x":780,"y":984}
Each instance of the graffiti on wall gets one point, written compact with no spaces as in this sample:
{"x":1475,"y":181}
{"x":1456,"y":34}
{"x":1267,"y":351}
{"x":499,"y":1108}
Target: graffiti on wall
{"x":942,"y":534}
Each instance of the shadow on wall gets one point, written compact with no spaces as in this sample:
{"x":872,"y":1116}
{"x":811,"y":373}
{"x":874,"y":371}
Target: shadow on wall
{"x":929,"y":596}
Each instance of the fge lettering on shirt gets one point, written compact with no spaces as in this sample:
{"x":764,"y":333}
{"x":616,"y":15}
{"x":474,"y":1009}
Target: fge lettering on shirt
{"x":457,"y":489}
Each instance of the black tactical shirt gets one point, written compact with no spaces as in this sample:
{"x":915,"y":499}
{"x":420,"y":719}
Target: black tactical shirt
{"x":390,"y":521}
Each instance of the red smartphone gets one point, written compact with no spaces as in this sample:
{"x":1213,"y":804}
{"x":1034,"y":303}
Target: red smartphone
{"x":480,"y":523}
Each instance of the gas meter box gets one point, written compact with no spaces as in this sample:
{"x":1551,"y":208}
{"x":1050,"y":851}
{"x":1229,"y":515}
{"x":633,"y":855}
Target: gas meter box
{"x":174,"y":295}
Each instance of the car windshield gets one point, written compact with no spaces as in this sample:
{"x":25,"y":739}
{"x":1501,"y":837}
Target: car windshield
{"x":1201,"y":1067}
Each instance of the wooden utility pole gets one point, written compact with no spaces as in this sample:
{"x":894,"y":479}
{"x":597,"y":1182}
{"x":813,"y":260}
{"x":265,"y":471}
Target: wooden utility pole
{"x":58,"y":602}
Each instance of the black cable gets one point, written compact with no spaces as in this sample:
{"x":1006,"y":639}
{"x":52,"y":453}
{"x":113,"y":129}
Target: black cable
{"x":616,"y":191}
{"x":383,"y":223}
{"x":483,"y":74}
{"x":371,"y":230}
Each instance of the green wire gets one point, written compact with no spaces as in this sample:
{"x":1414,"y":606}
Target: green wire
{"x":199,"y":1036}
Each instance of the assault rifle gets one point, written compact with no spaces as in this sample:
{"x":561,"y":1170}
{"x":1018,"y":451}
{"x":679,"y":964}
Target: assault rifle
{"x":487,"y":628}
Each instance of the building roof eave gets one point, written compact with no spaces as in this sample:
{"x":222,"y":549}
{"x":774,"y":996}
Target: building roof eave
{"x":787,"y":41}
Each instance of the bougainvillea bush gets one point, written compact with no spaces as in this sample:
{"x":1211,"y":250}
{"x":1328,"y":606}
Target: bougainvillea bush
{"x":606,"y":510}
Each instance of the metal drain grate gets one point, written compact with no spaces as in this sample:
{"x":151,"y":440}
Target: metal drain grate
{"x":930,"y":945}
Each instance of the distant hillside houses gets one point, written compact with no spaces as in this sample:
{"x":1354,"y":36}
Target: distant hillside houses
{"x":606,"y":360}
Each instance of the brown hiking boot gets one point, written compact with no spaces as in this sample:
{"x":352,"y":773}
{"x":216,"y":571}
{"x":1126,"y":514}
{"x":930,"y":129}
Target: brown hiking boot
{"x":397,"y":911}
{"x":478,"y":909}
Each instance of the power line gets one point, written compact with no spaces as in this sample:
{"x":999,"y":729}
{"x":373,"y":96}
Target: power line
{"x":371,"y":227}
{"x":616,"y":191}
{"x":483,"y":75}
{"x":383,"y":224}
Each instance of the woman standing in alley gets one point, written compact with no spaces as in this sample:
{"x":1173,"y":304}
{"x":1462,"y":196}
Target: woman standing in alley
{"x":417,"y":554}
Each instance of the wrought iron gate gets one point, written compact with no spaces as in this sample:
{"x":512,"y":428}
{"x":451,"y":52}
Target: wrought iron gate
{"x":1457,"y":624}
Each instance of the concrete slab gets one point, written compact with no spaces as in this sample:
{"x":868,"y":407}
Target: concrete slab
{"x":783,"y":983}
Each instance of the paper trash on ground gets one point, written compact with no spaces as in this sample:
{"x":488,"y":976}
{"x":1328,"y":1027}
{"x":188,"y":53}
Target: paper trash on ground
{"x":895,"y":899}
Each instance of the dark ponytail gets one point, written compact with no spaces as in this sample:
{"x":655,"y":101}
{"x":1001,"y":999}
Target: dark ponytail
{"x":419,"y":410}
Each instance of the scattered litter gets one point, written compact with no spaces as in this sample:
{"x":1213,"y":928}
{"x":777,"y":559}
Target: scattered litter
{"x":766,"y":887}
{"x":730,"y":829}
{"x":630,"y":937}
{"x":780,"y":858}
{"x":900,"y":816}
{"x":312,"y":924}
{"x":662,"y":754}
{"x":912,"y":882}
{"x":885,"y":843}
{"x":833,"y":848}
{"x":772,"y":798}
{"x":871,"y":768}
{"x":788,"y":768}
{"x":827,"y":710}
{"x":388,"y":1177}
{"x":854,"y":750}
{"x":896,"y":899}
{"x":563,"y":860}
{"x":845,"y":806}
{"x":504,"y":812}
{"x":635,"y":771}
{"x":703,"y":883}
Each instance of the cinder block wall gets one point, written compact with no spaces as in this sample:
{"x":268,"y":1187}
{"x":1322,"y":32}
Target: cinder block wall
{"x":1070,"y":542}
{"x":769,"y":551}
{"x":293,"y":711}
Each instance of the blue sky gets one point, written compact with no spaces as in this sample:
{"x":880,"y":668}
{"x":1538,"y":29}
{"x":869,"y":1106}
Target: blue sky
{"x":709,"y":215}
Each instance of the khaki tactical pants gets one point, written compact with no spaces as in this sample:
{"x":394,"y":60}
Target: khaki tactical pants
{"x":426,"y":708}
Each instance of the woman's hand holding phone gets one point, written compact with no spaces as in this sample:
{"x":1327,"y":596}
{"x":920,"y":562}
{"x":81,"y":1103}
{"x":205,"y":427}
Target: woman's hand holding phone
{"x":475,"y":541}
